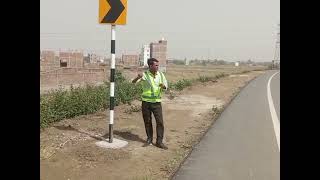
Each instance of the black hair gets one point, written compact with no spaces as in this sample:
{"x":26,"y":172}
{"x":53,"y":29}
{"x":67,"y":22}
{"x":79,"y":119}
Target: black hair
{"x":151,"y":61}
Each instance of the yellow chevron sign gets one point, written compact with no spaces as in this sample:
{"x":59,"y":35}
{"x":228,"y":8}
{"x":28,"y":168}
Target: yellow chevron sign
{"x":113,"y":12}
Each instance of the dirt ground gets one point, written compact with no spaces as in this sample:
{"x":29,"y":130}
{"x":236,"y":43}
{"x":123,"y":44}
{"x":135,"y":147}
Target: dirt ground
{"x":68,"y":150}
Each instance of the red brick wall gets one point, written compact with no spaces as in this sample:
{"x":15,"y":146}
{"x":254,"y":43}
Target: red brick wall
{"x":49,"y":61}
{"x":130,"y":60}
{"x":75,"y":76}
{"x":73,"y":59}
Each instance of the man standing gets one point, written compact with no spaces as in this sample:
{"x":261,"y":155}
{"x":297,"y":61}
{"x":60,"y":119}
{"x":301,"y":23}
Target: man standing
{"x":153,"y":83}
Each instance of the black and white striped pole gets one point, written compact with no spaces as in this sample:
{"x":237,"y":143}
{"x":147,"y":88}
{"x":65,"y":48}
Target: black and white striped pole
{"x":112,"y":83}
{"x":112,"y":12}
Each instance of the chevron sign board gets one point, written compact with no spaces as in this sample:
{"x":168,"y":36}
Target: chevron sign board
{"x":113,"y":12}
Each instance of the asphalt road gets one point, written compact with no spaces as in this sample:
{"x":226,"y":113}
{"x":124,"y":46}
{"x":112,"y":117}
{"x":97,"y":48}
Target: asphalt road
{"x":242,"y":144}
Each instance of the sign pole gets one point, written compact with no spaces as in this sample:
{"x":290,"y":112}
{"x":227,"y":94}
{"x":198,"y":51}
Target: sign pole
{"x":112,"y":12}
{"x":112,"y":80}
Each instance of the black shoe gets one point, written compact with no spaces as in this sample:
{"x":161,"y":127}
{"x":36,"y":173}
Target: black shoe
{"x":148,"y":143}
{"x":162,"y":146}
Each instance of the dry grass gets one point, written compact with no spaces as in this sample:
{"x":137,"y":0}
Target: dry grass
{"x":178,"y":72}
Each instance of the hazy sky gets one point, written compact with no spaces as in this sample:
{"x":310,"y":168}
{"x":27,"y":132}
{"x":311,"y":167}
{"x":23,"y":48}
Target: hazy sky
{"x":222,"y":29}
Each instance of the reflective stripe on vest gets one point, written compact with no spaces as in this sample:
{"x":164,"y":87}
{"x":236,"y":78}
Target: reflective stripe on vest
{"x":151,"y":82}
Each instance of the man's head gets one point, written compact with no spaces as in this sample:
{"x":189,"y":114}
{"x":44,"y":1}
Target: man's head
{"x":153,"y":64}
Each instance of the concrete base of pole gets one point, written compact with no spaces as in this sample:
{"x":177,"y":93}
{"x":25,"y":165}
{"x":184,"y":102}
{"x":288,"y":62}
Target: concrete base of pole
{"x":116,"y":144}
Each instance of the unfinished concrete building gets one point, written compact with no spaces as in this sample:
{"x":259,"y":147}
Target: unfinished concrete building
{"x":145,"y":55}
{"x":159,"y":51}
{"x":71,"y":59}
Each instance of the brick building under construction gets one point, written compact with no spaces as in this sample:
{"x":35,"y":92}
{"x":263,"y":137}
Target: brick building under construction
{"x":159,"y":51}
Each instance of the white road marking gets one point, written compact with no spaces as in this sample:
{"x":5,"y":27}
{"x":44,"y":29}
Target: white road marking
{"x":275,"y":120}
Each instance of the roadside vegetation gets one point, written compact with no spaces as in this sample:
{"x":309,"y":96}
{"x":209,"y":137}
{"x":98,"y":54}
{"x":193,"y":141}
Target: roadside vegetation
{"x":61,"y":104}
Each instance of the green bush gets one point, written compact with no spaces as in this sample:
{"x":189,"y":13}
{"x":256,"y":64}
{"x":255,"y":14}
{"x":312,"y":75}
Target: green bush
{"x":61,"y":104}
{"x":205,"y":78}
{"x":181,"y":84}
{"x":125,"y":92}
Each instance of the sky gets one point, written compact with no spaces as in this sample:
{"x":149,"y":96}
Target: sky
{"x":195,"y":29}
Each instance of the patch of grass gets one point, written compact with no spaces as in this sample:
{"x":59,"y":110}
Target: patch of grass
{"x":216,"y":109}
{"x":205,"y":78}
{"x":181,"y":84}
{"x":221,"y":75}
{"x":174,"y":162}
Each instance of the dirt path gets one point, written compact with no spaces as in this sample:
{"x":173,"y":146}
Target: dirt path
{"x":68,"y":150}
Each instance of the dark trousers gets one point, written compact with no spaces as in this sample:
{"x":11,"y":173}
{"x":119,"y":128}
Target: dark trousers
{"x":156,"y":109}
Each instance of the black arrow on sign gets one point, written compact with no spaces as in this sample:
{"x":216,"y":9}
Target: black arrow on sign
{"x":115,"y":11}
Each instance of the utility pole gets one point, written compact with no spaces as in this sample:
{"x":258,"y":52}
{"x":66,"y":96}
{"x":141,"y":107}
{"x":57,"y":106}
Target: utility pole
{"x":276,"y":59}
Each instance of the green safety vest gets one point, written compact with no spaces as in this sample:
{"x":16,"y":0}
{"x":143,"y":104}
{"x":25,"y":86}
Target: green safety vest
{"x":151,"y":92}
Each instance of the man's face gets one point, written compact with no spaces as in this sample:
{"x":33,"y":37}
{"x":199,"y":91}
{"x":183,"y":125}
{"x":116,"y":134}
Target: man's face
{"x":154,"y":67}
